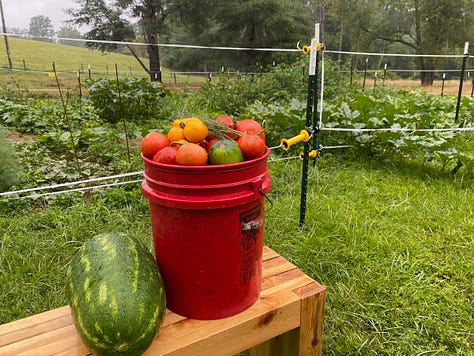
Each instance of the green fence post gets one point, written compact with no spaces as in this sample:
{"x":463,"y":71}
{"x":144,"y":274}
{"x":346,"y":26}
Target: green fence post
{"x":310,"y":120}
{"x":461,"y":80}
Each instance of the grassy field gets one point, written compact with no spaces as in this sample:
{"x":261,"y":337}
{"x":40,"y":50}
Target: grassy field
{"x":394,"y":245}
{"x":33,"y":61}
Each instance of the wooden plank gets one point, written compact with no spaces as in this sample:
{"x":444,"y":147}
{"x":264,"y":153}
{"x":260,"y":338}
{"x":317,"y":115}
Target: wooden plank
{"x":312,"y":319}
{"x":268,"y":253}
{"x":172,"y":318}
{"x":272,"y":316}
{"x":64,"y":339}
{"x":274,"y":280}
{"x":282,"y":345}
{"x":291,"y":284}
{"x":275,"y":266}
{"x":34,"y":325}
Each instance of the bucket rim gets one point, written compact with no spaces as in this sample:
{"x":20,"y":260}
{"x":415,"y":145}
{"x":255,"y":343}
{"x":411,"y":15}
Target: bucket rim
{"x":209,"y":167}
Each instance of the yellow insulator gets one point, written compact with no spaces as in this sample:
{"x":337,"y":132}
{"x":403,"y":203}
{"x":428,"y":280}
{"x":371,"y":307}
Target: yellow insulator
{"x":312,"y":154}
{"x":306,"y":49}
{"x":286,"y":143}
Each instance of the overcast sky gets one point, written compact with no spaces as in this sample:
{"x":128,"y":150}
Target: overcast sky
{"x":19,"y":12}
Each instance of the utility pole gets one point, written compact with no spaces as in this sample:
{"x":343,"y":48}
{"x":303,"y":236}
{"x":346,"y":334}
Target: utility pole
{"x":10,"y":66}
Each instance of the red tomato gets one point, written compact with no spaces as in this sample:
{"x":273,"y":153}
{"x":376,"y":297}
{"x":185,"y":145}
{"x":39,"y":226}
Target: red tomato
{"x":250,"y":126}
{"x":251,"y":145}
{"x":226,"y":120}
{"x":210,"y":143}
{"x":152,"y":143}
{"x":166,"y":155}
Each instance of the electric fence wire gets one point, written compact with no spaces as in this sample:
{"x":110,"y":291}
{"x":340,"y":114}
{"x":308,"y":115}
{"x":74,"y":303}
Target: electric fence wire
{"x":16,"y":194}
{"x":34,"y":196}
{"x":397,"y":54}
{"x":35,"y":71}
{"x":58,"y":39}
{"x":174,"y":45}
{"x":282,"y":159}
{"x":397,"y":129}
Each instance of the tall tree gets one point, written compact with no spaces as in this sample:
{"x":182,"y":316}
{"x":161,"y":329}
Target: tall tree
{"x":239,"y":23}
{"x":425,"y":26}
{"x":422,"y":27}
{"x":265,"y":23}
{"x":110,"y":20}
{"x":41,"y":26}
{"x":70,"y":32}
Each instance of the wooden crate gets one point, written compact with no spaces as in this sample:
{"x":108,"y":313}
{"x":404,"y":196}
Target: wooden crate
{"x":286,"y":320}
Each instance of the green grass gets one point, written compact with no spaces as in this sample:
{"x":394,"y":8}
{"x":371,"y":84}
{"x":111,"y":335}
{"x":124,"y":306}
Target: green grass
{"x":38,"y":58}
{"x":393,"y":243}
{"x":394,"y":247}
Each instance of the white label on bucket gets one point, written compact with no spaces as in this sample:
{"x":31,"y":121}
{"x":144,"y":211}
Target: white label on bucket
{"x":251,"y":222}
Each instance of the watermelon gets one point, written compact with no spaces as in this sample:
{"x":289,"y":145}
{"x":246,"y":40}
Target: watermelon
{"x":225,"y":152}
{"x":116,"y":295}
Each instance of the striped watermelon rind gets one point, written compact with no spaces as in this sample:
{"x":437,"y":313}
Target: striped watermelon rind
{"x":116,"y":295}
{"x":225,"y":152}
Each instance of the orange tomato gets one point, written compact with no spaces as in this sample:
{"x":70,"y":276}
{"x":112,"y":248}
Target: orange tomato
{"x":177,"y":123}
{"x":191,"y":154}
{"x":175,"y":134}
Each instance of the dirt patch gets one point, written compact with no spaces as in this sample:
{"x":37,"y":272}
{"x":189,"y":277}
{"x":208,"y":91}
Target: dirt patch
{"x":16,"y":137}
{"x":449,"y":87}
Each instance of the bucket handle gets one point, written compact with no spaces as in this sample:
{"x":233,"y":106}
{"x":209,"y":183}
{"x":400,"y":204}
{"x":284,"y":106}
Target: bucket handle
{"x":267,"y":198}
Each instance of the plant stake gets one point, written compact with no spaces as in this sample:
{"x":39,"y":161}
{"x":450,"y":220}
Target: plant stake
{"x":68,"y":121}
{"x":463,"y":67}
{"x":122,"y":109}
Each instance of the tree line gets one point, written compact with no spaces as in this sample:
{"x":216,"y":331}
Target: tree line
{"x":420,"y":27}
{"x":42,"y":29}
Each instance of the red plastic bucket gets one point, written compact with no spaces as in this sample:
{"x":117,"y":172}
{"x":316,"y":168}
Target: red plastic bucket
{"x":207,"y":224}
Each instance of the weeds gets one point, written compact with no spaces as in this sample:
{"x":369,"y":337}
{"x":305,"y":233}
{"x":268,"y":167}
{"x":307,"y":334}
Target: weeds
{"x":9,"y":169}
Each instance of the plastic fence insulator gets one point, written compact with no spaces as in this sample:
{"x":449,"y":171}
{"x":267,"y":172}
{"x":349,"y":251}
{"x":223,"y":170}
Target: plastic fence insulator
{"x":312,"y":154}
{"x":307,"y":49}
{"x":302,"y":137}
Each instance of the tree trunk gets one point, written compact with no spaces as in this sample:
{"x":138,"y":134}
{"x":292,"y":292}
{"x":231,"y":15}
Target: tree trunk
{"x":150,"y":24}
{"x":426,"y":71}
{"x":249,"y":40}
{"x":426,"y":65}
{"x":138,"y":59}
{"x":154,"y":59}
{"x":341,"y":40}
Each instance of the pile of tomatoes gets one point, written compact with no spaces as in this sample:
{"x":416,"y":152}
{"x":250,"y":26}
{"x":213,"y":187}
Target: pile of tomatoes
{"x":194,"y":142}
